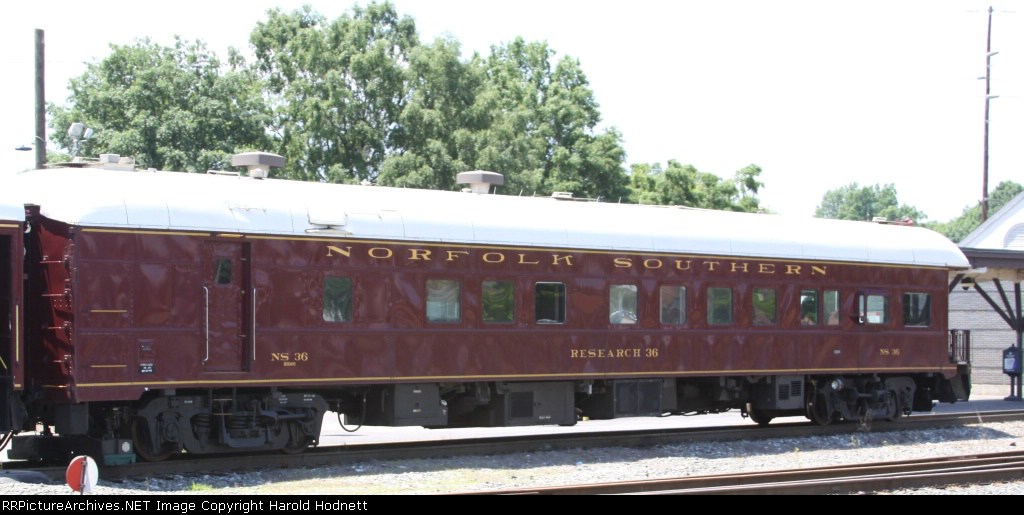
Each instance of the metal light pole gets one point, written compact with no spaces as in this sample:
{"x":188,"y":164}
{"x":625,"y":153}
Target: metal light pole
{"x":40,"y":141}
{"x":988,"y":98}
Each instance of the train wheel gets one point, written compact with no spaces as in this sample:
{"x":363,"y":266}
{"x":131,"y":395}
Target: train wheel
{"x":894,"y":409}
{"x":143,"y":443}
{"x":818,"y":410}
{"x":298,"y":440}
{"x":760,"y":417}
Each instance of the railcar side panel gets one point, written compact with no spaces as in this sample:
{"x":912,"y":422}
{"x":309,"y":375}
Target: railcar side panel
{"x":142,"y":299}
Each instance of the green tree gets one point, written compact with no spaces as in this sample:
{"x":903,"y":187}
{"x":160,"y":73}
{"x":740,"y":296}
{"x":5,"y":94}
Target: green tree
{"x":337,"y":88}
{"x":643,"y":183}
{"x":439,"y":125}
{"x":684,"y":185}
{"x":959,"y":227}
{"x":854,"y":202}
{"x":542,"y":134}
{"x":169,"y":107}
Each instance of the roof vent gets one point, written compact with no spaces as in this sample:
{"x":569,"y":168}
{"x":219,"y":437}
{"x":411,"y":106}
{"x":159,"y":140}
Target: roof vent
{"x":480,"y":181}
{"x":258,"y":163}
{"x":562,"y":195}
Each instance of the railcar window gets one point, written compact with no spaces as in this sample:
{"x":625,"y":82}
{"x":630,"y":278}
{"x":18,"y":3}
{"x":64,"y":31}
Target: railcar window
{"x":622,"y":304}
{"x":337,"y":299}
{"x":874,"y":309}
{"x":809,"y":307}
{"x":443,"y":300}
{"x":499,"y":301}
{"x":831,"y":307}
{"x":673,"y":304}
{"x":222,"y":271}
{"x":917,"y":310}
{"x":719,"y":306}
{"x":764,"y":306}
{"x":549,"y":303}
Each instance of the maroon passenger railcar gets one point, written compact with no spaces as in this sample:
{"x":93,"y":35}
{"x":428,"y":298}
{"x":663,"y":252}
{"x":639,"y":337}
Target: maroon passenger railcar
{"x":170,"y":312}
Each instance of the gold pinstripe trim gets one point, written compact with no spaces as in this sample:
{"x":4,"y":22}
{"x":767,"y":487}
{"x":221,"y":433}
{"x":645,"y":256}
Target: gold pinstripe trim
{"x":108,"y":310}
{"x":17,"y":333}
{"x":513,"y":376}
{"x":8,"y":226}
{"x":405,"y":243}
{"x":108,"y":366}
{"x":135,"y":231}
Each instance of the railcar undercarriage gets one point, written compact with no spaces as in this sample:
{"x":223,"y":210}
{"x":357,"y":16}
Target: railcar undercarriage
{"x":199,"y":422}
{"x":235,"y":420}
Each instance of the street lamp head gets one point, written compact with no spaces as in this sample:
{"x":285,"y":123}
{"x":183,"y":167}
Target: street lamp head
{"x":23,"y":148}
{"x":76,"y":129}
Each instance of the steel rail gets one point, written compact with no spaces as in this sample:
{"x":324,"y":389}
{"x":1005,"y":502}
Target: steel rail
{"x":427,"y":449}
{"x":867,"y":477}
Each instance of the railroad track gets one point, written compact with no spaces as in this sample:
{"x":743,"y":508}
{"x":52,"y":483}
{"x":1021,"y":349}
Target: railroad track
{"x":353,"y":453}
{"x":844,"y":479}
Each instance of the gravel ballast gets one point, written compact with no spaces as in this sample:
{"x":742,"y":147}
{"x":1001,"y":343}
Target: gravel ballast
{"x":555,"y":468}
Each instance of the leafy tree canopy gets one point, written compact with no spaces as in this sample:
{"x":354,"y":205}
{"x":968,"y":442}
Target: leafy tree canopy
{"x":684,"y":185}
{"x":337,"y":88}
{"x":855,"y":202}
{"x":169,"y":107}
{"x":361,"y":98}
{"x":958,"y":228}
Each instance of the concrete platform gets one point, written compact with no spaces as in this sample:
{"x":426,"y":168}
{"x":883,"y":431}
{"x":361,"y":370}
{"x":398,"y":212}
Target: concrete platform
{"x":332,"y":433}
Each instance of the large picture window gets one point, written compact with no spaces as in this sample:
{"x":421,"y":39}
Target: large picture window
{"x":499,"y":301}
{"x":808,"y":307}
{"x":719,"y":306}
{"x":831,"y":307}
{"x":549,"y":303}
{"x":764,"y":306}
{"x":622,"y":304}
{"x":337,"y":299}
{"x":673,"y":305}
{"x":874,"y":309}
{"x":917,"y":310}
{"x":443,"y":300}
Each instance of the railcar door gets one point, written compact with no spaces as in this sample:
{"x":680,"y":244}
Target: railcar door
{"x":226,"y":290}
{"x":11,"y":321}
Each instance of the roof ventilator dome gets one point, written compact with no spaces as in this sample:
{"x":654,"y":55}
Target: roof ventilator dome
{"x":258,"y":163}
{"x":479,"y":181}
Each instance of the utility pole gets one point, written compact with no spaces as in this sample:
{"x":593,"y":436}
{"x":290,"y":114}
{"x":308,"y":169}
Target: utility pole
{"x":988,"y":99}
{"x":40,"y":141}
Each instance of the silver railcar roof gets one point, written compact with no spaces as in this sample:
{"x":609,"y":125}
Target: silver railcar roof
{"x":201,"y":202}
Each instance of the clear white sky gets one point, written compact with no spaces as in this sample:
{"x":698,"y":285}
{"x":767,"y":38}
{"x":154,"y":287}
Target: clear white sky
{"x":819,"y":94}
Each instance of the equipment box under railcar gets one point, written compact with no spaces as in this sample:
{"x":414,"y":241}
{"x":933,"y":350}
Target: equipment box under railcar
{"x":525,"y":404}
{"x":628,"y":398}
{"x":405,"y":405}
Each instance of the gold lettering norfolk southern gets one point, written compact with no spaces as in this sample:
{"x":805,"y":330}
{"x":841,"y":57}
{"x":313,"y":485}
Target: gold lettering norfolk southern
{"x":493,"y":257}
